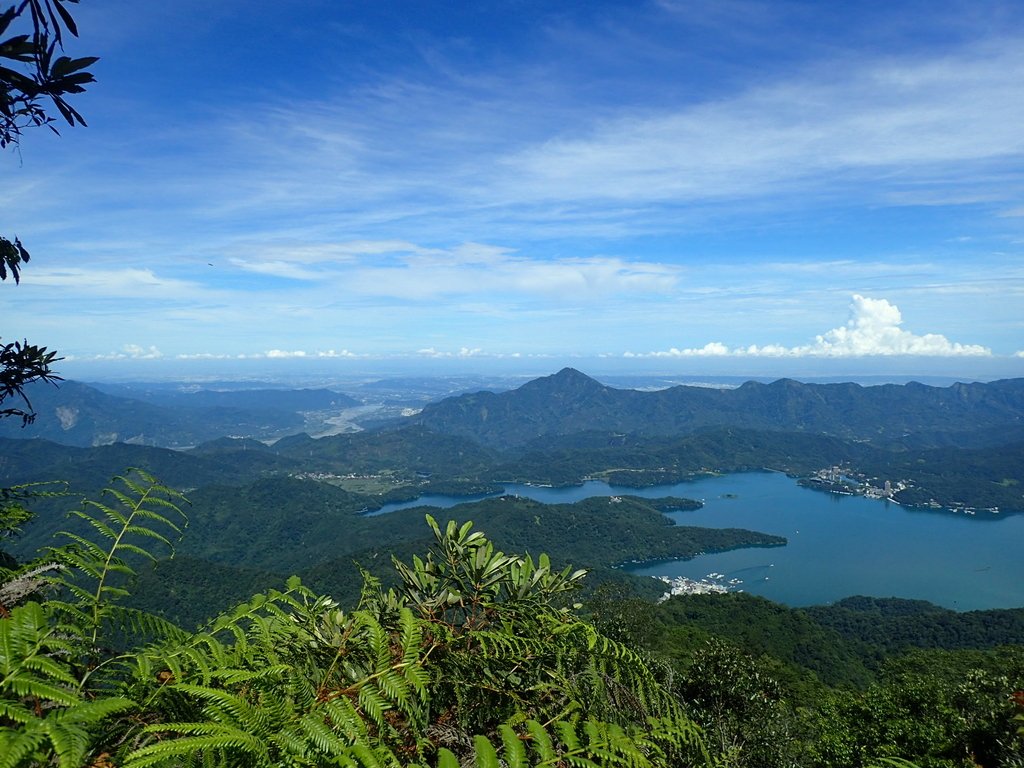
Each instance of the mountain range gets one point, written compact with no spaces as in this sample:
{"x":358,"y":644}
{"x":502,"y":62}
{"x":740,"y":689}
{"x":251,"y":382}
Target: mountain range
{"x":74,"y":413}
{"x":570,"y":402}
{"x":564,"y":404}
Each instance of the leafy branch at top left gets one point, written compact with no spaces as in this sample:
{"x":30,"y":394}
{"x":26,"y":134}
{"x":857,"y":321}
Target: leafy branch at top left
{"x":33,"y":74}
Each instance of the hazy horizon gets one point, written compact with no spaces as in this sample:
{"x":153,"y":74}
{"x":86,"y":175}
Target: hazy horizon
{"x":307,"y":373}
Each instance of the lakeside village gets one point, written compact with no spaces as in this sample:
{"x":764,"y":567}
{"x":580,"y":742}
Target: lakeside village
{"x":837,"y":480}
{"x":712,"y":584}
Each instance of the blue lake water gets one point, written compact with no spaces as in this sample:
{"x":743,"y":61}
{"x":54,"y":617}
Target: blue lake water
{"x":838,"y":545}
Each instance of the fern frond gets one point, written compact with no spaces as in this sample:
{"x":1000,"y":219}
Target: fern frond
{"x":40,"y":694}
{"x":125,"y":525}
{"x":205,"y":739}
{"x":17,"y":745}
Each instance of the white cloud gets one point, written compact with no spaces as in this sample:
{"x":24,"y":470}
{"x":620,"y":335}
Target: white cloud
{"x":132,"y":352}
{"x":129,"y":282}
{"x":924,"y":118}
{"x":281,"y":269}
{"x":284,"y":354}
{"x":711,"y":349}
{"x":274,"y":354}
{"x":300,"y":250}
{"x":340,"y":353}
{"x":463,"y":352}
{"x":500,"y":272}
{"x":872,"y":330}
{"x":403,"y":270}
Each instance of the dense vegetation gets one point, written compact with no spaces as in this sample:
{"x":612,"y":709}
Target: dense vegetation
{"x":478,"y":656}
{"x":290,"y":528}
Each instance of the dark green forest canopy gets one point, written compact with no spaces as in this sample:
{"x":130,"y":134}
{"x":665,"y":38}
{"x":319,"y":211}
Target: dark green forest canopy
{"x":768,"y":685}
{"x":296,"y":527}
{"x":981,"y":477}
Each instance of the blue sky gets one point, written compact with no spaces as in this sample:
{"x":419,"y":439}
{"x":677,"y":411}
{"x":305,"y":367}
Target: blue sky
{"x":661,"y":185}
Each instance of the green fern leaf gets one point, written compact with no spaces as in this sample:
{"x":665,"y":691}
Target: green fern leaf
{"x":447,"y":759}
{"x":514,"y":751}
{"x":17,"y":745}
{"x":567,"y":734}
{"x":541,"y":741}
{"x":486,"y":756}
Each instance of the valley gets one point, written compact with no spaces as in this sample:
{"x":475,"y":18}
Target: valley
{"x":298,"y":503}
{"x":829,"y":519}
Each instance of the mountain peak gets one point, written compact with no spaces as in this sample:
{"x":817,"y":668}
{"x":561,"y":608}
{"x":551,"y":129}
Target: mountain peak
{"x":565,"y":379}
{"x":570,"y":374}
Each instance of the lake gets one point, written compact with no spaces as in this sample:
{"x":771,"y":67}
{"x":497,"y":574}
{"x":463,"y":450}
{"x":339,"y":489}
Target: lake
{"x":838,"y":545}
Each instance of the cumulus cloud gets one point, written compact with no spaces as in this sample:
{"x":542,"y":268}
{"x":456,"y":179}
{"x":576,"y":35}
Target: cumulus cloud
{"x":711,"y":349}
{"x":872,"y":330}
{"x":338,"y":353}
{"x":133,"y":352}
{"x":291,"y":354}
{"x":206,"y":356}
{"x":272,"y":354}
{"x":463,"y":352}
{"x":283,"y":353}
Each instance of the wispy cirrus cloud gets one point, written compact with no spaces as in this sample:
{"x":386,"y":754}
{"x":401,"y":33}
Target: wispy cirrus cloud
{"x":439,"y":158}
{"x":401,"y":270}
{"x":102,"y":282}
{"x":282,"y":269}
{"x":895,"y":122}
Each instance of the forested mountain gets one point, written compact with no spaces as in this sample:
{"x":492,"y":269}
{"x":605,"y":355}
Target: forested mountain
{"x":413,"y":449}
{"x":73,"y":413}
{"x":569,"y":402}
{"x":257,"y":399}
{"x":948,"y":477}
{"x":408,"y":462}
{"x":88,"y":469}
{"x":893,"y":624}
{"x":281,"y":525}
